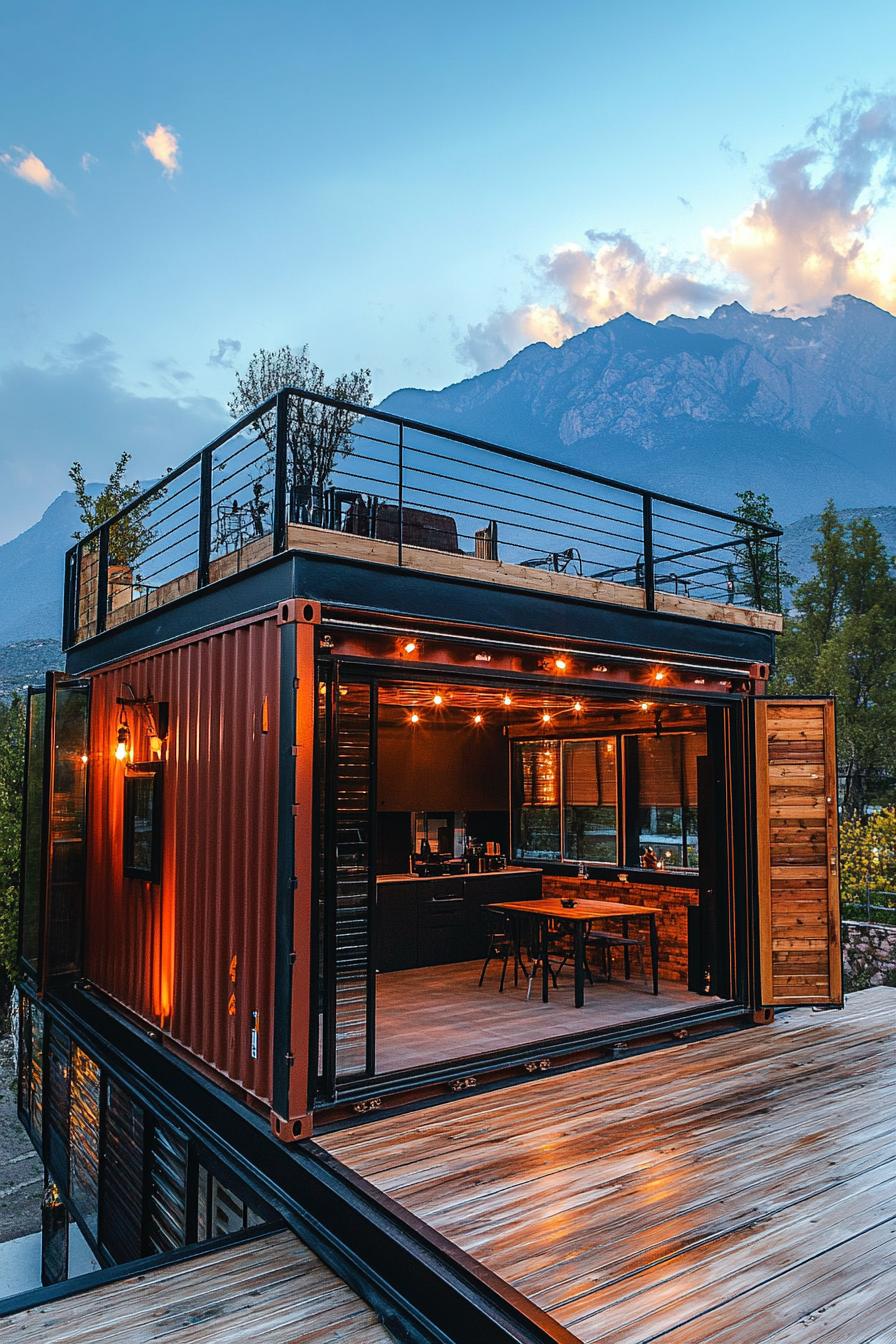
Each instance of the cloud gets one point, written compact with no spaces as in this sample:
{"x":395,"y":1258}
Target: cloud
{"x":88,"y":161}
{"x":592,"y":284}
{"x":74,"y":405}
{"x":808,"y":235}
{"x":164,"y":145}
{"x":223,"y":356}
{"x":22,"y":163}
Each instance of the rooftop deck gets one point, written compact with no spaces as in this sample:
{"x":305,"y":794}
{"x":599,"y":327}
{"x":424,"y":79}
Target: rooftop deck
{"x":272,"y":1288}
{"x":736,"y":1191}
{"x":312,"y":475}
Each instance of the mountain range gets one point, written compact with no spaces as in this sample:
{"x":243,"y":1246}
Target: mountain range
{"x":801,"y":408}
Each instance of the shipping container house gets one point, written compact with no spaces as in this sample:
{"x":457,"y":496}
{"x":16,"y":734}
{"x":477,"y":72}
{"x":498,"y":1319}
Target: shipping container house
{"x":343,"y":690}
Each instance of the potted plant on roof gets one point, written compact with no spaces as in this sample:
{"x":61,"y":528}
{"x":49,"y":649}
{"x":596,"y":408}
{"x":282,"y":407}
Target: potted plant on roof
{"x":317,"y":436}
{"x":129,"y":538}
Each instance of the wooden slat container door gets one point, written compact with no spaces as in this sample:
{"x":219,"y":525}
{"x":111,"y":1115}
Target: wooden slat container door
{"x":798,"y":865}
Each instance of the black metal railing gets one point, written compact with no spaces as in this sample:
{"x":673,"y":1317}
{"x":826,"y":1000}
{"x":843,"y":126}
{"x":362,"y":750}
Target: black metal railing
{"x":302,"y":460}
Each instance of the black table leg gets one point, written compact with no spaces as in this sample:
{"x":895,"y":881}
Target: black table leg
{"x":626,"y":956}
{"x":654,"y":955}
{"x":578,"y":941}
{"x":545,"y":966}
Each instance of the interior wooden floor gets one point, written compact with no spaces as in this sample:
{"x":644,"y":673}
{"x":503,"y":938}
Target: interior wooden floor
{"x":271,"y":1288}
{"x":440,"y":1013}
{"x":732,"y":1191}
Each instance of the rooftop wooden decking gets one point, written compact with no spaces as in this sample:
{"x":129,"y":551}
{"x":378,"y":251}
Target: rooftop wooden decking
{"x":736,"y":1191}
{"x":270,"y":1288}
{"x":129,"y":600}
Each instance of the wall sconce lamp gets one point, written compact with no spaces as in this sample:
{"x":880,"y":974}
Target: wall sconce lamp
{"x":155,"y":715}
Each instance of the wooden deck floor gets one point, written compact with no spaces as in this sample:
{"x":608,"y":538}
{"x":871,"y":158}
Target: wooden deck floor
{"x":735,"y":1191}
{"x":272,"y":1288}
{"x":440,"y":1012}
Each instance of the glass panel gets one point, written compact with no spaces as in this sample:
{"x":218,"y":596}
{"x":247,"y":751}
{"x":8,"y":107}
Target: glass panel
{"x":143,"y":822}
{"x":34,"y":806}
{"x":36,"y":1083}
{"x":67,"y":831}
{"x":351,"y":918}
{"x":536,"y":792}
{"x":589,"y":800}
{"x":667,"y":800}
{"x":85,"y":1136}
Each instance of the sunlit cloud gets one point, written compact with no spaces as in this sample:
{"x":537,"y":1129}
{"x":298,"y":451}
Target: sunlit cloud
{"x":22,"y":163}
{"x":818,"y":227}
{"x":164,"y":146}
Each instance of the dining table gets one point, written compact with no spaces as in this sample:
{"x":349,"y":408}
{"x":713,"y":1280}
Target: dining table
{"x":579,"y":916}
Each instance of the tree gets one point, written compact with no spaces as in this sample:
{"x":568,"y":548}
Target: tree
{"x":12,"y":753}
{"x":840,"y":640}
{"x":317,"y":436}
{"x":131,"y":536}
{"x":758,"y":575}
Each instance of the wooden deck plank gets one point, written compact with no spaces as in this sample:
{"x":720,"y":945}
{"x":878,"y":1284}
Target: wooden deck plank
{"x":722,"y":1191}
{"x":272,"y":1288}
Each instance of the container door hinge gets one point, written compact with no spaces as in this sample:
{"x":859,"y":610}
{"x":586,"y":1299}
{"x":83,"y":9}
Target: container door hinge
{"x":290,"y":1059}
{"x":293,"y":958}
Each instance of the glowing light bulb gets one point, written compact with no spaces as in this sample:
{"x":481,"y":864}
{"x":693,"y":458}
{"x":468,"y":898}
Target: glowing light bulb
{"x":577,"y":707}
{"x":477,"y":718}
{"x":121,"y":751}
{"x":507,"y":700}
{"x":545,"y":718}
{"x":659,"y":675}
{"x":410,"y":646}
{"x":415,"y":717}
{"x":645,"y":704}
{"x":560,"y":664}
{"x":84,"y":759}
{"x":437,"y":699}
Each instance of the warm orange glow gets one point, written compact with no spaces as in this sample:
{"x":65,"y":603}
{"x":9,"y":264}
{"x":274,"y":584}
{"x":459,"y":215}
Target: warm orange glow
{"x":577,"y":707}
{"x":477,"y":718}
{"x":609,"y":747}
{"x":507,"y":700}
{"x":410,"y":646}
{"x":84,"y":759}
{"x":659,"y":674}
{"x":438,"y":699}
{"x":560,"y":664}
{"x":645,"y":704}
{"x":545,"y":718}
{"x":415,"y":717}
{"x":121,"y":751}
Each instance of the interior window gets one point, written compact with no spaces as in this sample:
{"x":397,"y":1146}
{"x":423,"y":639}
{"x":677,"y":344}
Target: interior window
{"x":536,"y":791}
{"x":667,"y":800}
{"x":589,"y":800}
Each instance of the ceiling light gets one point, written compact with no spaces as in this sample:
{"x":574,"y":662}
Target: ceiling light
{"x":437,"y":699}
{"x":415,"y":717}
{"x":507,"y":700}
{"x":577,"y":707}
{"x":477,"y":718}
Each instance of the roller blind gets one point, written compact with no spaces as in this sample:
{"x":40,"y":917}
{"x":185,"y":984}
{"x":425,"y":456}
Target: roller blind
{"x":539,"y":773}
{"x":668,"y":769}
{"x":589,"y":773}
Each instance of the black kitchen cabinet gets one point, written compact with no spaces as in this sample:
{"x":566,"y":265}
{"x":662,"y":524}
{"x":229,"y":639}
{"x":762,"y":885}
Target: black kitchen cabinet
{"x":436,"y":921}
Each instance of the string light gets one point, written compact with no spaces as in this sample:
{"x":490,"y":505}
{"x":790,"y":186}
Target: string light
{"x":545,"y":718}
{"x":577,"y":707}
{"x":507,"y":700}
{"x":659,"y":674}
{"x":560,"y":664}
{"x":415,"y":717}
{"x":410,"y":646}
{"x":645,"y":704}
{"x":437,"y":699}
{"x":477,"y":718}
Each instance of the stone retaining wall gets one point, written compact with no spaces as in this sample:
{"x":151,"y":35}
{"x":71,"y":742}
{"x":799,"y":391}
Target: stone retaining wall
{"x":869,"y":954}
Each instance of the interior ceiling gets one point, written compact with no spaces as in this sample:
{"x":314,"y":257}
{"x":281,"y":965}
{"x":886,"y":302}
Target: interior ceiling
{"x":399,"y":699}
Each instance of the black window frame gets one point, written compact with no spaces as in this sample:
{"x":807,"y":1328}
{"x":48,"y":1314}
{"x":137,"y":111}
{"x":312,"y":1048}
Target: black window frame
{"x":135,"y":772}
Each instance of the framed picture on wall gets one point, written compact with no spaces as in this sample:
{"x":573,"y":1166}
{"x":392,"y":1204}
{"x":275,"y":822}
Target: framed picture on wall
{"x":143,"y":821}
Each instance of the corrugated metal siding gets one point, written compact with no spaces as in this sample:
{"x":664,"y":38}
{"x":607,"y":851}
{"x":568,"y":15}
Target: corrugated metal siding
{"x":194,"y":955}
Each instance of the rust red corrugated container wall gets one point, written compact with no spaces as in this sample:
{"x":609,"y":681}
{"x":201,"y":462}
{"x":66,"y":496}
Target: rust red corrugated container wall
{"x":195,"y":954}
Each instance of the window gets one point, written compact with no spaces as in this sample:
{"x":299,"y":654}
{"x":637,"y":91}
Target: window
{"x":536,"y":790}
{"x":667,"y":800}
{"x":589,"y":800}
{"x":34,"y":829}
{"x":143,"y":821}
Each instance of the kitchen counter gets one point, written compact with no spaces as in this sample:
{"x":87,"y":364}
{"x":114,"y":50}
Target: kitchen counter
{"x":386,"y":878}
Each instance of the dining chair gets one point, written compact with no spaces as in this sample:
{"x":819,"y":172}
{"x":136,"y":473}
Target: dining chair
{"x":501,"y":946}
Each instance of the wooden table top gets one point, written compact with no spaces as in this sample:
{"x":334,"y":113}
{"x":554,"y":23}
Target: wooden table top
{"x":551,"y":908}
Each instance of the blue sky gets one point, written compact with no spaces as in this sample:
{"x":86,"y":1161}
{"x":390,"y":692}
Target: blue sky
{"x":406,"y":186}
